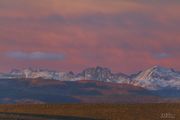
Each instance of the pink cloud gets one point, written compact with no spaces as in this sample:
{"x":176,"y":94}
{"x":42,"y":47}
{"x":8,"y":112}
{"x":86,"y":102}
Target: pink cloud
{"x":125,"y":37}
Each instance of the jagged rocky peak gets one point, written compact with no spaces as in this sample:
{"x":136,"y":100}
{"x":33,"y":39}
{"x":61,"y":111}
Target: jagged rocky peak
{"x":97,"y":73}
{"x":103,"y":74}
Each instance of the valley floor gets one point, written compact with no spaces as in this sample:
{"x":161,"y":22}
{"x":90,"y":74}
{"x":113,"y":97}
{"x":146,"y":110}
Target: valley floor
{"x":92,"y":111}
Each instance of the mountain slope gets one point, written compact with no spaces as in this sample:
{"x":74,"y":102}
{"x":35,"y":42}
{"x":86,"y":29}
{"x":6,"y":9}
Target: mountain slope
{"x":157,"y":78}
{"x":51,"y":91}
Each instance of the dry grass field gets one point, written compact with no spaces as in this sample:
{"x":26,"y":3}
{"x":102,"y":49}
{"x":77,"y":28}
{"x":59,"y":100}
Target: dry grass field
{"x":101,"y":111}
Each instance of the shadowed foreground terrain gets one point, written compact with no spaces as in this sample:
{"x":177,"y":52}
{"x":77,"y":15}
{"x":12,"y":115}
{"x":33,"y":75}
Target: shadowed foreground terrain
{"x":94,"y":111}
{"x":15,"y":91}
{"x":21,"y":116}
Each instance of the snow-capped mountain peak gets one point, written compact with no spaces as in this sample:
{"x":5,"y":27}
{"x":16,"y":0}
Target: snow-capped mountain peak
{"x":157,"y":72}
{"x":157,"y":77}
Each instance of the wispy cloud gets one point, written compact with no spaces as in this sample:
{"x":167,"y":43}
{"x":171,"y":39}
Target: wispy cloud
{"x":162,"y":55}
{"x":35,"y":55}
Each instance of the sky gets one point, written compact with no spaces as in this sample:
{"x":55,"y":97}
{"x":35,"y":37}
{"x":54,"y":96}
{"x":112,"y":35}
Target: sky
{"x":124,"y":35}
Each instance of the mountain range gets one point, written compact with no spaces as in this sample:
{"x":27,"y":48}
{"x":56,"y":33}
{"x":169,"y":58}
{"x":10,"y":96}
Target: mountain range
{"x":92,"y":85}
{"x":154,"y":78}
